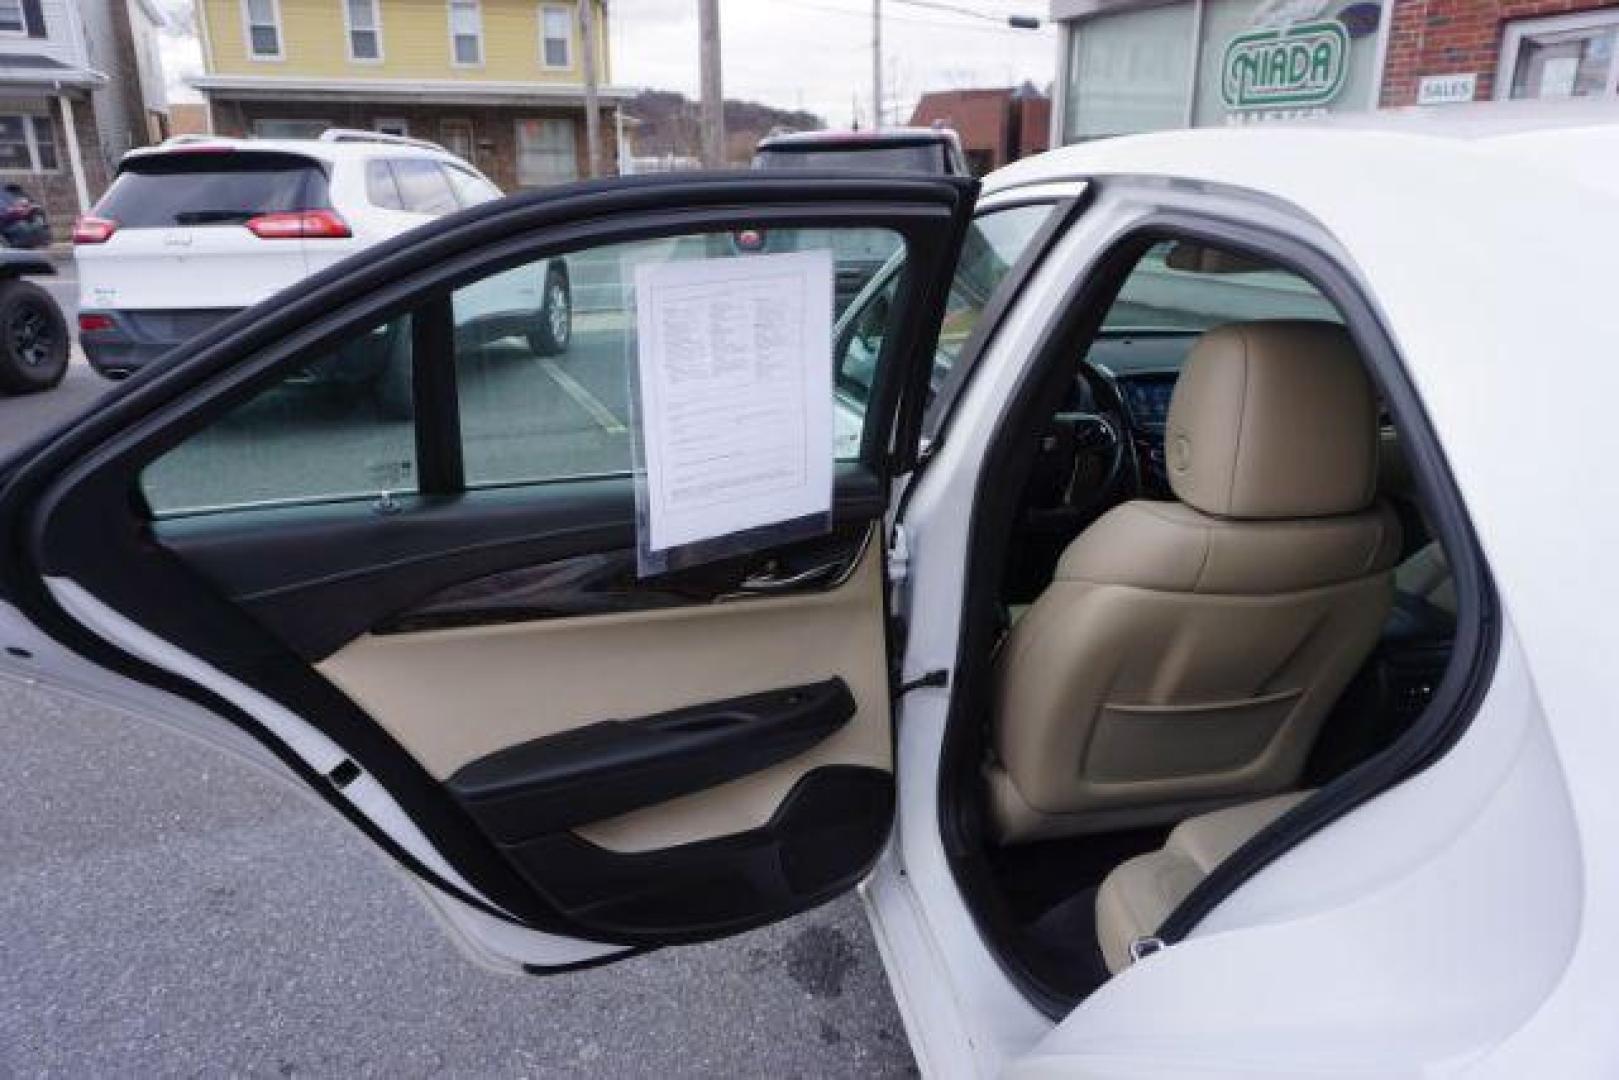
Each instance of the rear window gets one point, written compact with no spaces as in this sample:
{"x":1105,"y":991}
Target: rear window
{"x":917,"y":157}
{"x":212,"y":188}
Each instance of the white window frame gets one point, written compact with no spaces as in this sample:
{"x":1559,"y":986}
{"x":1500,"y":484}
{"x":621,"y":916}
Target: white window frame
{"x":449,"y":20}
{"x":22,"y":23}
{"x":391,"y":125}
{"x":30,"y":136}
{"x":567,"y":39}
{"x":1518,"y":29}
{"x":375,"y":28}
{"x":280,"y":34}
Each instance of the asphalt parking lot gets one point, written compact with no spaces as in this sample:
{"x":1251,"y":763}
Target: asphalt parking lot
{"x":166,"y":910}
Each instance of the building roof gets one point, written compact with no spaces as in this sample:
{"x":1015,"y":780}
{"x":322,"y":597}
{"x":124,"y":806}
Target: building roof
{"x":35,"y":69}
{"x":399,"y":91}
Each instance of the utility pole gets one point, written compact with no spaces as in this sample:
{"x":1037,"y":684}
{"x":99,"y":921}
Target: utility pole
{"x":708,"y":24}
{"x":593,"y":120}
{"x":876,"y":64}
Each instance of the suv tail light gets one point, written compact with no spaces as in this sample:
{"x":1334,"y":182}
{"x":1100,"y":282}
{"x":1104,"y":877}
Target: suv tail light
{"x":300,"y":225}
{"x":93,"y":230}
{"x":94,"y":323}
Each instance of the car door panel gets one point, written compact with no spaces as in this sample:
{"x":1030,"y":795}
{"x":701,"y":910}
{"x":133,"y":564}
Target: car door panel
{"x":336,"y":570}
{"x":480,"y":653}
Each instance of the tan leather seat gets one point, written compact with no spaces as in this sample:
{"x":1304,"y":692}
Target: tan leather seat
{"x":1186,"y":652}
{"x":1138,"y":895}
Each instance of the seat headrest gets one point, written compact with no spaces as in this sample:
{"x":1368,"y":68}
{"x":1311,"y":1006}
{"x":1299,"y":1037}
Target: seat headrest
{"x":1274,"y":419}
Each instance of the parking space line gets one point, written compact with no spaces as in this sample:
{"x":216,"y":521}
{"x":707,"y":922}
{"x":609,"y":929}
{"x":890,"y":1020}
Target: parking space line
{"x":587,"y":401}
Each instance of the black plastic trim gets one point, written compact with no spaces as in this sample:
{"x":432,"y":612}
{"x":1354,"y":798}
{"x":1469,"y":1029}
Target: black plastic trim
{"x":821,"y":840}
{"x":435,"y":398}
{"x":612,"y":767}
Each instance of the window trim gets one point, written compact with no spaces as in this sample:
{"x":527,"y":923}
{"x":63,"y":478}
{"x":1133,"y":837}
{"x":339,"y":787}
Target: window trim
{"x":30,"y":133}
{"x":449,"y":16}
{"x":567,"y":38}
{"x":1516,"y":30}
{"x":375,"y":28}
{"x":22,"y":23}
{"x":278,"y":25}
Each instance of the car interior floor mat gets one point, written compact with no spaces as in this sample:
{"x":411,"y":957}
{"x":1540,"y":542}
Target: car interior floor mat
{"x":1062,"y":943}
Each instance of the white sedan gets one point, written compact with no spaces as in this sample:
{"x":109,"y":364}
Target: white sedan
{"x":1201,"y":670}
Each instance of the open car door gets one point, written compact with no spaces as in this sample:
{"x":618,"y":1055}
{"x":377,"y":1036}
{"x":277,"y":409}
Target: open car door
{"x":370,"y":534}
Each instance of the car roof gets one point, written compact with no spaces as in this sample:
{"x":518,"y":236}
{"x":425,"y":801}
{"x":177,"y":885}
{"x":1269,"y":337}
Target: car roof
{"x":1576,"y":142}
{"x":325,"y":150}
{"x":899,"y":136}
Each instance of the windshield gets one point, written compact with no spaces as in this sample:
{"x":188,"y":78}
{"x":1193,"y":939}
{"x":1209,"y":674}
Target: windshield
{"x":916,"y":157}
{"x":202,"y":189}
{"x":994,"y":243}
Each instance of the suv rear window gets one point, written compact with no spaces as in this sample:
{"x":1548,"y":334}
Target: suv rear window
{"x":212,"y":188}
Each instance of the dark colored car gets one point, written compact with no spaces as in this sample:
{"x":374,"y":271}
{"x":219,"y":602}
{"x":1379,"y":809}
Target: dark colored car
{"x":861,"y":253}
{"x":23,"y":223}
{"x":908,"y":149}
{"x":33,"y":334}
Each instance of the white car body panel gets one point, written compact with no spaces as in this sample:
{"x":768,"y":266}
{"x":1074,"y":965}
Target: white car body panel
{"x":1467,"y":921}
{"x":183,"y":269}
{"x":1311,"y":964}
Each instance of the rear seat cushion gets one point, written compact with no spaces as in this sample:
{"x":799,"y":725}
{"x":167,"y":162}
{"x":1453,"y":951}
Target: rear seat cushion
{"x":1138,"y":895}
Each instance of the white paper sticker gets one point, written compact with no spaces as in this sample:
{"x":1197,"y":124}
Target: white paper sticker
{"x":735,"y":368}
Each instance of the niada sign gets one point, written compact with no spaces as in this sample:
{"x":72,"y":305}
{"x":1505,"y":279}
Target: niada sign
{"x":1294,"y":66}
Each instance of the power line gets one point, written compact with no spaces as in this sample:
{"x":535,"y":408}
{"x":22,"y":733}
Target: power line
{"x":914,"y":20}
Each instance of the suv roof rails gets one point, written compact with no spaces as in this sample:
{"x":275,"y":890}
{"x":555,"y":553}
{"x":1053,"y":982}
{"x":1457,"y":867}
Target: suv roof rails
{"x":194,"y":137}
{"x":335,"y":135}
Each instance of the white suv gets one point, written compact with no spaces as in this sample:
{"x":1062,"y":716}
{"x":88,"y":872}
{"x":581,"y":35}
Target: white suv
{"x":200,"y":227}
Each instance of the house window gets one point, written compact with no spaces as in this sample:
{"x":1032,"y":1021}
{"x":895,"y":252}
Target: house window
{"x":289,"y":129}
{"x":392,"y":127}
{"x":27,"y":144}
{"x":365,"y":30}
{"x":466,"y":32}
{"x":556,"y":36}
{"x":456,"y":137}
{"x":11,"y":17}
{"x":1567,"y":56}
{"x":262,"y":19}
{"x":547,"y":152}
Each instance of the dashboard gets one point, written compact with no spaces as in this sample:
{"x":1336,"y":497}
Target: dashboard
{"x":1143,"y":367}
{"x":1146,"y":397}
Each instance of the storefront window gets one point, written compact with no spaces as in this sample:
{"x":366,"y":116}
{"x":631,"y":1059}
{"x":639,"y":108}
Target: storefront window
{"x":1137,"y":68}
{"x":1565,"y":57}
{"x":1129,"y":71}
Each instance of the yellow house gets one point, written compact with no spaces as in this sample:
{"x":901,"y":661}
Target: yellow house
{"x":499,"y":82}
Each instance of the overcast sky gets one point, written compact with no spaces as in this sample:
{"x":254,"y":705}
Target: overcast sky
{"x":810,"y":54}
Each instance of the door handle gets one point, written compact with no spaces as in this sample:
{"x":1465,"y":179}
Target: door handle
{"x":768,"y":581}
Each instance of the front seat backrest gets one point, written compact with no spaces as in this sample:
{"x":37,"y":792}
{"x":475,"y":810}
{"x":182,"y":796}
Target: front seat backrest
{"x":1186,"y":652}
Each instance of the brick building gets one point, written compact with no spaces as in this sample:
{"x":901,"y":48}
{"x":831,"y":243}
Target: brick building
{"x":1145,"y":65}
{"x":996,"y":126}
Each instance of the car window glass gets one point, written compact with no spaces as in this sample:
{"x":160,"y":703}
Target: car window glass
{"x":993,"y":244}
{"x":1176,"y":286}
{"x":212,"y":190}
{"x":424,"y":187}
{"x":545,"y":355}
{"x":470,"y":190}
{"x":338,"y":427}
{"x":380,"y":187}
